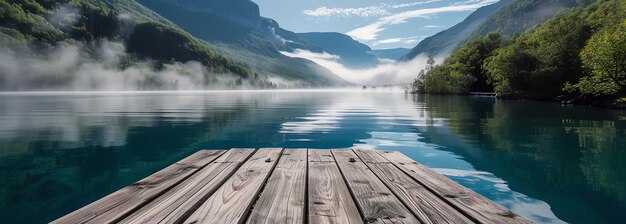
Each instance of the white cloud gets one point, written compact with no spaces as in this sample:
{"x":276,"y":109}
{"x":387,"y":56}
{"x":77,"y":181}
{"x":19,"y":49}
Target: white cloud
{"x":370,"y":32}
{"x":389,"y":73}
{"x":406,"y":40}
{"x":345,"y":12}
{"x":369,"y":11}
{"x":432,"y":26}
{"x":411,"y":4}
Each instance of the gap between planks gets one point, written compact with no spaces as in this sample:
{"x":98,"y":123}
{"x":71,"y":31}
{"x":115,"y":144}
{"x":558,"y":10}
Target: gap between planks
{"x":276,"y":185}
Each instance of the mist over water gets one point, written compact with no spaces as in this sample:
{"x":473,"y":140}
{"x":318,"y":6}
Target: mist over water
{"x":384,"y":73}
{"x":59,"y":152}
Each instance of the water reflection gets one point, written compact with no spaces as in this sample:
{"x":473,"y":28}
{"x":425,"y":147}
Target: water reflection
{"x":60,"y":152}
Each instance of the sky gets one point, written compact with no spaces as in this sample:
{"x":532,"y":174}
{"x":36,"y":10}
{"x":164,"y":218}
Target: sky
{"x":378,"y":23}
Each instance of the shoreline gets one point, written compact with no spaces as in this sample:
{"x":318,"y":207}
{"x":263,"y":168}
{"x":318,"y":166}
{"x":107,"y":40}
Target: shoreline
{"x":607,"y":103}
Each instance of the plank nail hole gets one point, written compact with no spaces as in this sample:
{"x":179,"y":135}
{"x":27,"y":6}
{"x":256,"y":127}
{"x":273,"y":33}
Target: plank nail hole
{"x":318,"y":203}
{"x":268,"y":160}
{"x":250,"y":170}
{"x":352,"y":160}
{"x":385,"y":193}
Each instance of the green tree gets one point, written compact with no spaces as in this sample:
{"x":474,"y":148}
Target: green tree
{"x":462,"y":72}
{"x":469,"y":58}
{"x":418,"y":84}
{"x":605,"y":57}
{"x":510,"y":69}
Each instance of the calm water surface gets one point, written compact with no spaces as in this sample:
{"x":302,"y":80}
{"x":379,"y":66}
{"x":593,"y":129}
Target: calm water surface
{"x":549,"y":163}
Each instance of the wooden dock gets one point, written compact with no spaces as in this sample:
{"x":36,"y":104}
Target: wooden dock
{"x":275,"y":185}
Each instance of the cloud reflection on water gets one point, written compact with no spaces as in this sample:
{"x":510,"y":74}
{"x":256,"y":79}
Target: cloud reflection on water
{"x":138,"y":133}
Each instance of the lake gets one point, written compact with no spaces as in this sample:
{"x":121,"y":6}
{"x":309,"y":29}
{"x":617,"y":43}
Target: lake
{"x":544,"y":161}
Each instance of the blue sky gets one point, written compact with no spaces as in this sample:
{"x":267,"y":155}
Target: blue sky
{"x":377,"y":23}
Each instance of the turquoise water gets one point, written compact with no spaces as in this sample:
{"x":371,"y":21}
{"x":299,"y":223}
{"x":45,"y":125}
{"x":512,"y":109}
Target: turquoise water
{"x":549,"y":163}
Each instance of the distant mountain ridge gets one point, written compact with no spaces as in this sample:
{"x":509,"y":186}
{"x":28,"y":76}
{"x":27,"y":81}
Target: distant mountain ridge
{"x":236,"y":29}
{"x":391,"y":53}
{"x":352,"y":53}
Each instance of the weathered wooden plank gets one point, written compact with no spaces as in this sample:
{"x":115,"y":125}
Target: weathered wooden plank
{"x":471,"y":203}
{"x":320,"y":155}
{"x":283,"y":198}
{"x":424,"y":204}
{"x":122,"y":202}
{"x":329,"y":199}
{"x":371,"y":156}
{"x":231,"y":202}
{"x":375,"y":200}
{"x":235,"y":155}
{"x":179,"y":202}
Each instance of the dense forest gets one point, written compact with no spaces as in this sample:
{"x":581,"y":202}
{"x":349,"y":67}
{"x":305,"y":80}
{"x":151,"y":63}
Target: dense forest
{"x":95,"y":36}
{"x":580,"y":53}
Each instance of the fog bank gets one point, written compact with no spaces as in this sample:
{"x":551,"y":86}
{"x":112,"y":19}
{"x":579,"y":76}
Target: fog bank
{"x":385,"y":73}
{"x":103,"y":66}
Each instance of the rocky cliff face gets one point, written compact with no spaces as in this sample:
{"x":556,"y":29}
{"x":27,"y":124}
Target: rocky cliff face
{"x":242,"y":14}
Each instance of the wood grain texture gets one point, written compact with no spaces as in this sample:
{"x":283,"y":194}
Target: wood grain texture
{"x":469,"y":202}
{"x":320,"y":155}
{"x":178,"y":203}
{"x":117,"y":205}
{"x":424,"y":204}
{"x":294,"y":186}
{"x":283,"y":198}
{"x":329,"y":199}
{"x":231,"y":202}
{"x":376,"y":202}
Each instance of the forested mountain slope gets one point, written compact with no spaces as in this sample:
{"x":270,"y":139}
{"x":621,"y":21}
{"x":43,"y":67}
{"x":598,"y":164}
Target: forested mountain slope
{"x":506,"y":17}
{"x":445,"y":41}
{"x":520,"y":15}
{"x":105,"y":44}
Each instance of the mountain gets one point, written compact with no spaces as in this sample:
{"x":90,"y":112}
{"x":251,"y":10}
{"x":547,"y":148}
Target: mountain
{"x":521,"y":15}
{"x":352,"y":54}
{"x":507,"y":17}
{"x":104,"y":44}
{"x":392,"y":53}
{"x":445,"y":41}
{"x":236,"y":29}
